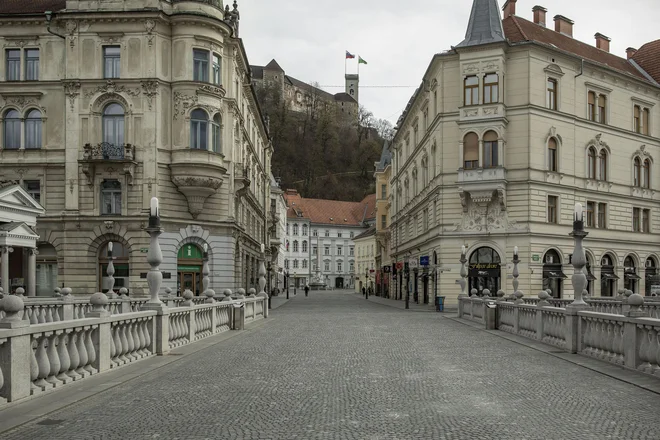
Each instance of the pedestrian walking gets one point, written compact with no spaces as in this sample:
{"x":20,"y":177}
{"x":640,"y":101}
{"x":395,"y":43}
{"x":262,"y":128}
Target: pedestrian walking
{"x":306,"y":289}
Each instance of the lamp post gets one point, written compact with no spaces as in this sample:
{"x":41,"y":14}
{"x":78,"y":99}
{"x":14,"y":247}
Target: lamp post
{"x":463,"y":281}
{"x":407,"y":270}
{"x":269,"y":269}
{"x":154,"y":258}
{"x":111,"y":272}
{"x":416,"y":295}
{"x":579,"y":279}
{"x":517,"y":294}
{"x":294,"y":284}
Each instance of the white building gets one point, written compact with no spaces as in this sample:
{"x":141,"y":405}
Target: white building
{"x":512,"y":127}
{"x":366,"y":248}
{"x":325,"y":232}
{"x":277,"y":235}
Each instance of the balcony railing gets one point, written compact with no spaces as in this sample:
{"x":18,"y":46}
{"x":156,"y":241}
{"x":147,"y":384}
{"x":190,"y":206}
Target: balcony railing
{"x":108,"y":151}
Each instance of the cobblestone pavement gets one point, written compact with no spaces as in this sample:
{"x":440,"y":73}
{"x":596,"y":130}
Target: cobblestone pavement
{"x":335,"y":366}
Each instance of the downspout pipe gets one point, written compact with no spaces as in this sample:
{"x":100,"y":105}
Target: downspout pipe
{"x":49,"y":18}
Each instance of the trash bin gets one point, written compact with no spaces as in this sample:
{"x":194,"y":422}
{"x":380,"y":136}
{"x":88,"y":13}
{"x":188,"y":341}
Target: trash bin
{"x":439,"y":303}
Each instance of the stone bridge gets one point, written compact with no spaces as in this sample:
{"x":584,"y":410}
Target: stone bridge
{"x":329,"y":366}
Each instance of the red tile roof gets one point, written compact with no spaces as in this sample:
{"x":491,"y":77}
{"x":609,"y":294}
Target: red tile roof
{"x":30,"y":6}
{"x":648,"y":58}
{"x":322,"y":211}
{"x":518,"y":30}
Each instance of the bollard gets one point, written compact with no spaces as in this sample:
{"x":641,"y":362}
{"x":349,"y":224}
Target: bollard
{"x":239,"y":316}
{"x":490,"y":315}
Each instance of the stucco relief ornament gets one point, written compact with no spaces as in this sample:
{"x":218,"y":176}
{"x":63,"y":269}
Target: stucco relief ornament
{"x":22,"y":102}
{"x":112,"y":88}
{"x":149,"y":26}
{"x":150,"y":90}
{"x":72,"y":90}
{"x":71,"y":26}
{"x":182,"y":103}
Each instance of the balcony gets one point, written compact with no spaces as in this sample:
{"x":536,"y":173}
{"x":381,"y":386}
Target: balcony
{"x":241,"y":179}
{"x":496,"y":111}
{"x":481,"y":186}
{"x":197,"y":174}
{"x":109,"y":156}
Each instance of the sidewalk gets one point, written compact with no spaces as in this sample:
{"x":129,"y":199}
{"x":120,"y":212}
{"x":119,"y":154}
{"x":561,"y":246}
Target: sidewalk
{"x":280,"y":300}
{"x":399,"y":304}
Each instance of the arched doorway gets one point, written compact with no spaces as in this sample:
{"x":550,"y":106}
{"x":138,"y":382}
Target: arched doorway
{"x":120,"y":263}
{"x":553,"y":276}
{"x":650,"y":271}
{"x":189,"y":269}
{"x":485,"y":270}
{"x":607,"y":276}
{"x":630,"y":277}
{"x":46,"y":270}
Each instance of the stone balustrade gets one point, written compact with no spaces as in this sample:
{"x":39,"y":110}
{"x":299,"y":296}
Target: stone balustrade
{"x":620,"y":332}
{"x":47,"y":344}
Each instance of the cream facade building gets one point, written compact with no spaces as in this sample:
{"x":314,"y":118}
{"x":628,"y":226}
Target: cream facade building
{"x":384,"y":267}
{"x":365,"y":254}
{"x":277,"y":235}
{"x":510,"y":129}
{"x":104,"y":107}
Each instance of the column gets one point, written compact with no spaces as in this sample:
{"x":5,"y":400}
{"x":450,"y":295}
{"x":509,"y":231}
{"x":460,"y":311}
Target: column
{"x":4,"y":266}
{"x":32,"y":272}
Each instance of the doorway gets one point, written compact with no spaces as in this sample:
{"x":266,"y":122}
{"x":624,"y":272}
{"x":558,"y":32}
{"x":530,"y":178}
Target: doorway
{"x":484,"y":271}
{"x":339,"y":283}
{"x":189,"y":269}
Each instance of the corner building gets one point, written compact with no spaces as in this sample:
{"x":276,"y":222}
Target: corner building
{"x":511,"y":128}
{"x":107,"y":104}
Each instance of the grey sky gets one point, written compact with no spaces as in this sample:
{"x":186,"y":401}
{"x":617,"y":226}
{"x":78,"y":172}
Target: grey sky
{"x":309,"y":37}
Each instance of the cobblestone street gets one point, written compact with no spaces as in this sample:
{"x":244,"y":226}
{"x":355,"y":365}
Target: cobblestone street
{"x":335,"y":366}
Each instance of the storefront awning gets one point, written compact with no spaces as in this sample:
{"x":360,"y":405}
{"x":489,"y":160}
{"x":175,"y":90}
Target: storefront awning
{"x":632,"y":276}
{"x":608,"y":276}
{"x":554,"y":274}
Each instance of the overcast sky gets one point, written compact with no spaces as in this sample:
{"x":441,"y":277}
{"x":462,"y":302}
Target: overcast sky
{"x":309,"y":38}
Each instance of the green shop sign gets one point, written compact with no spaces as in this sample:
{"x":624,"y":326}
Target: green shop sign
{"x":536,"y":257}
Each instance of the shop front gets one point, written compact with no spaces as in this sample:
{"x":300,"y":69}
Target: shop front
{"x":189,"y":269}
{"x":484,"y":271}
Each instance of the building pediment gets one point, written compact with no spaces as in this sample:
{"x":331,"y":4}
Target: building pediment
{"x":17,"y":234}
{"x":16,"y":205}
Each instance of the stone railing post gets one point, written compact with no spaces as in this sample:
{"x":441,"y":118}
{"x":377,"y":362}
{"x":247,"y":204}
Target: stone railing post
{"x":516,"y":319}
{"x":630,"y":335}
{"x":192,"y":327}
{"x":625,"y":305}
{"x":15,"y":359}
{"x":460,"y":306}
{"x":101,"y":338}
{"x":67,"y":304}
{"x":125,"y":304}
{"x":572,"y":329}
{"x":187,"y":296}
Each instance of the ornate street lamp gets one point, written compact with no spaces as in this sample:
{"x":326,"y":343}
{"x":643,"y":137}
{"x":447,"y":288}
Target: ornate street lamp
{"x":579,"y":260}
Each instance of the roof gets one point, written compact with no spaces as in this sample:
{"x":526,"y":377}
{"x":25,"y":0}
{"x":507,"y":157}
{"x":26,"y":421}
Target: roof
{"x":368,"y":233}
{"x":485,"y":25}
{"x":329,"y":212}
{"x":345,"y":97}
{"x":519,"y":30}
{"x":648,"y":58}
{"x":31,"y":6}
{"x":385,"y":157}
{"x":257,"y":72}
{"x":273,"y":66}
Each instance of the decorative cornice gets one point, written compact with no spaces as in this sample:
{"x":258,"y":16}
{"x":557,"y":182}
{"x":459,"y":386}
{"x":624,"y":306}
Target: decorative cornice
{"x":112,"y":87}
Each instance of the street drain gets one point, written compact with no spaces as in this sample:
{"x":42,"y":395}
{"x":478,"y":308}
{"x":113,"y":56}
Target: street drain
{"x":175,"y":354}
{"x":50,"y":422}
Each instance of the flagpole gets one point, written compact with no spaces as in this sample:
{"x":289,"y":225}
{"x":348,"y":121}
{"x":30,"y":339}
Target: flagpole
{"x":358,"y":66}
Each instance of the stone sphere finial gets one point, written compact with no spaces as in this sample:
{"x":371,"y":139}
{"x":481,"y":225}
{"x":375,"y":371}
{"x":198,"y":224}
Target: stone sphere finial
{"x":13,"y":307}
{"x":628,"y":293}
{"x":486,"y":293}
{"x":210,"y":294}
{"x":500,"y":293}
{"x":187,"y":294}
{"x":473,"y":292}
{"x":168,"y":291}
{"x":227,"y":292}
{"x":636,"y":301}
{"x":123,"y":292}
{"x":66,"y":291}
{"x":98,"y":300}
{"x":252,"y":292}
{"x":58,"y":291}
{"x":543,"y":295}
{"x":20,"y":292}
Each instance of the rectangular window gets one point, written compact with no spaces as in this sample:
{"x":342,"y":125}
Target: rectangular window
{"x":552,"y":94}
{"x":637,"y":118}
{"x":602,"y":104}
{"x":646,"y":117}
{"x":111,"y":197}
{"x":637,"y":227}
{"x":339,"y":234}
{"x":491,"y":88}
{"x":646,"y":220}
{"x":471,"y":90}
{"x":602,"y":215}
{"x":552,"y":209}
{"x":327,"y":233}
{"x":32,"y":64}
{"x":295,"y":264}
{"x":314,"y":250}
{"x":490,"y":154}
{"x":326,"y":250}
{"x":351,"y":251}
{"x":591,"y":214}
{"x":383,"y":191}
{"x":33,"y":187}
{"x":592,"y":106}
{"x":217,"y":79}
{"x":339,"y":266}
{"x":13,"y":65}
{"x":200,"y":65}
{"x":111,"y":61}
{"x":383,"y":221}
{"x":327,"y":266}
{"x":315,"y":233}
{"x":339,"y":250}
{"x":352,"y":267}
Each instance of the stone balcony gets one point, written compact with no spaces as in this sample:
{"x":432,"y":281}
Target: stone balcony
{"x":480,"y":188}
{"x":241,"y":179}
{"x":109,"y":156}
{"x":198,"y":174}
{"x":482,"y":112}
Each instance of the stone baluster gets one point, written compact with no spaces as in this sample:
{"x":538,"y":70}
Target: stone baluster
{"x":53,"y":358}
{"x":43,"y":364}
{"x":91,"y":351}
{"x":74,"y":356}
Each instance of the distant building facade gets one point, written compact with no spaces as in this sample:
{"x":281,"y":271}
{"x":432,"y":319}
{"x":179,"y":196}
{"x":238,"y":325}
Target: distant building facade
{"x":365,"y":254}
{"x":511,"y":128}
{"x":383,"y":261}
{"x":277,"y":235}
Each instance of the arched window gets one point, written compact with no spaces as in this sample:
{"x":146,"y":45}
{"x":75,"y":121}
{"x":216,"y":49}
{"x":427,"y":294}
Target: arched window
{"x":33,"y":129}
{"x":199,"y":122}
{"x":630,"y":277}
{"x":484,"y":270}
{"x":12,"y":130}
{"x":553,"y":276}
{"x":602,"y":165}
{"x":113,"y":124}
{"x":216,"y":133}
{"x":608,"y":277}
{"x":637,"y":172}
{"x":295,"y":246}
{"x":304,"y":246}
{"x":651,"y":269}
{"x":646,"y":174}
{"x":490,"y":150}
{"x":304,"y":230}
{"x":295,"y":229}
{"x":120,"y":263}
{"x":552,"y":155}
{"x":491,"y":94}
{"x":591,"y":163}
{"x":470,"y":151}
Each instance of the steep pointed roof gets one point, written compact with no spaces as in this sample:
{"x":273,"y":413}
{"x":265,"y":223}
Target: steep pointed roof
{"x":385,"y":157}
{"x":485,"y":24}
{"x":273,"y":66}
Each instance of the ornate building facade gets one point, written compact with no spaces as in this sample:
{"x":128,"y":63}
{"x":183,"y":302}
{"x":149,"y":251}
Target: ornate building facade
{"x":103,"y":109}
{"x":510,"y":129}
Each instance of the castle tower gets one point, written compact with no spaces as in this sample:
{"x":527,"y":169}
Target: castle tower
{"x":352,"y":86}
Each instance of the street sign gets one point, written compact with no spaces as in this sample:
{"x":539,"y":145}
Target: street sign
{"x":399,"y":265}
{"x":424,"y":260}
{"x":412,"y":263}
{"x":536,"y":257}
{"x":386,"y":269}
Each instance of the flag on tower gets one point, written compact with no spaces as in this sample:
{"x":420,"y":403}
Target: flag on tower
{"x":361,"y":61}
{"x":349,"y":56}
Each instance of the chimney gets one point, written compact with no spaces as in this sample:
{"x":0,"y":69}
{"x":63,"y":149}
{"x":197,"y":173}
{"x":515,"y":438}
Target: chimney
{"x":602,"y":42}
{"x":564,"y":25}
{"x":509,"y":8}
{"x":539,"y":15}
{"x":631,"y":51}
